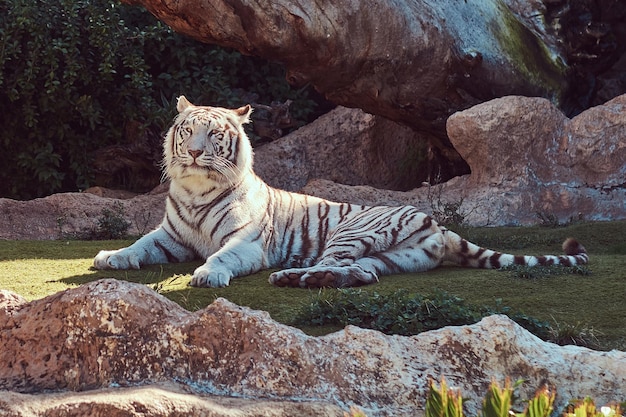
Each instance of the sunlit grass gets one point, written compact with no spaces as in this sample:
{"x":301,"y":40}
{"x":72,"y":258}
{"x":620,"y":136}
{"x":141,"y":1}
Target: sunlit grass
{"x":35,"y":269}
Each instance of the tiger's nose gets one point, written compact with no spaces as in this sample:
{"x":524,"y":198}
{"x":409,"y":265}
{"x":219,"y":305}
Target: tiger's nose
{"x":194,"y":153}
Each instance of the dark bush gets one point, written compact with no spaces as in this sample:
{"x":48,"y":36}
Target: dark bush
{"x":75,"y":73}
{"x":403,"y":313}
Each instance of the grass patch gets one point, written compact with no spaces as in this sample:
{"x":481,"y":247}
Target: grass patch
{"x":573,"y":303}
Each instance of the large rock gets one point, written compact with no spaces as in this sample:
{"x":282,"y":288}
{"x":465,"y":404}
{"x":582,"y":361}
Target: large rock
{"x":526,"y":158}
{"x":154,"y":400}
{"x":411,"y":61}
{"x":76,"y":214}
{"x":112,"y":333}
{"x":347,"y":146}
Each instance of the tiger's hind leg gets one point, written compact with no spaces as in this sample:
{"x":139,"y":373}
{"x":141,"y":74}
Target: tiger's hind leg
{"x":331,"y":272}
{"x":378,"y":241}
{"x":324,"y":276}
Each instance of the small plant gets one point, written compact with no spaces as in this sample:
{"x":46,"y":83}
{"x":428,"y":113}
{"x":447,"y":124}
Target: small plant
{"x":112,"y":224}
{"x":443,"y":402}
{"x":449,"y":213}
{"x":578,"y":334}
{"x":444,"y":212}
{"x":587,"y":408}
{"x":141,"y":221}
{"x":551,"y":220}
{"x":499,"y":402}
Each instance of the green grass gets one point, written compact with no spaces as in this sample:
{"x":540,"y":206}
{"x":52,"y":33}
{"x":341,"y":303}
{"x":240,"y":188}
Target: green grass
{"x":594,"y":302}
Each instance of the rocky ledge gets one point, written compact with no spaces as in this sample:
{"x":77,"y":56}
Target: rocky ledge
{"x":124,"y":342}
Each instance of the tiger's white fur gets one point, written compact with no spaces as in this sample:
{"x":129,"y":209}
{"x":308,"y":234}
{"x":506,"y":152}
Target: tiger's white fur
{"x":220,"y":211}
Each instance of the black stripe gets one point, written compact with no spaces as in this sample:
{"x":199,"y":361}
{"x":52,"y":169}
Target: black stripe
{"x":176,"y":238}
{"x":427,"y":223}
{"x":179,"y":212}
{"x":519,"y":260}
{"x":494,"y":260}
{"x":565,"y":260}
{"x":232,"y":232}
{"x":171,"y":258}
{"x":464,"y":246}
{"x":206,"y":208}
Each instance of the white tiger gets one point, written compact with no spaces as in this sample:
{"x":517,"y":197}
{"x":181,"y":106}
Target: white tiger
{"x":220,"y":211}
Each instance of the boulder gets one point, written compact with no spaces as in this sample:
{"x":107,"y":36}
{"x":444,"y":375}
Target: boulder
{"x":527,"y":160}
{"x":71,"y":215}
{"x":347,"y":146}
{"x":112,"y":333}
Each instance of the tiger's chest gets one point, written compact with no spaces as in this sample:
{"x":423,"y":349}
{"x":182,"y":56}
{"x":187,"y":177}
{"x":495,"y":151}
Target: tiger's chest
{"x":208,"y":222}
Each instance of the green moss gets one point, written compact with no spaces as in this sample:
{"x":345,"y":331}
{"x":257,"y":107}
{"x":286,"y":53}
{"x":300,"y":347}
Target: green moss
{"x":532,"y":58}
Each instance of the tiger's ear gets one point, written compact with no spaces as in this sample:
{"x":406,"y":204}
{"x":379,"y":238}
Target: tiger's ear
{"x":244,"y":113}
{"x":182,"y":104}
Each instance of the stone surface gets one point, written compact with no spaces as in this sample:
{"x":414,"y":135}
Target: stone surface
{"x":414,"y":62}
{"x":347,"y":146}
{"x":526,"y":158}
{"x":112,"y":333}
{"x":73,"y":214}
{"x":154,"y":400}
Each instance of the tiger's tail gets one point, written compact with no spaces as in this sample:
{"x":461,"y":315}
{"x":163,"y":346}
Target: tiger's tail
{"x":465,"y":253}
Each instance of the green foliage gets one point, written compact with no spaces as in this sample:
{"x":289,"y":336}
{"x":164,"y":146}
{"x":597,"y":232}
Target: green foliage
{"x":579,"y":334}
{"x":552,"y":221}
{"x":587,"y":408}
{"x":112,"y":224}
{"x":500,"y":402}
{"x":401,"y":312}
{"x":443,"y":402}
{"x":74,"y":73}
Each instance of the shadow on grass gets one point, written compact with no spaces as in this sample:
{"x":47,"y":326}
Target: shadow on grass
{"x":151,"y":274}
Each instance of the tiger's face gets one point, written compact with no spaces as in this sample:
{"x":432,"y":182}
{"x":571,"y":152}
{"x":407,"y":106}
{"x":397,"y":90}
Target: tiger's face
{"x":208,"y":142}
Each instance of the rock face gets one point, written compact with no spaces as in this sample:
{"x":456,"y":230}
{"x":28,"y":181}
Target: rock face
{"x":112,"y":333}
{"x":72,"y":214}
{"x":347,"y":146}
{"x":154,"y":400}
{"x":526,"y":158}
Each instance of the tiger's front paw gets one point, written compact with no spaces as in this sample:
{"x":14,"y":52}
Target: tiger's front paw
{"x":117,"y":259}
{"x":211,"y":277}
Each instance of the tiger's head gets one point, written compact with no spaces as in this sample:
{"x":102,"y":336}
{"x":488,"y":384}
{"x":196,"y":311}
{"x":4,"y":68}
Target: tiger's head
{"x":208,"y":143}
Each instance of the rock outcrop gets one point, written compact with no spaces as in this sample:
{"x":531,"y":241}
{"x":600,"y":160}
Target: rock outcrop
{"x":117,"y":334}
{"x":347,"y":146}
{"x":526,"y":158}
{"x":74,"y":214}
{"x":154,"y":400}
